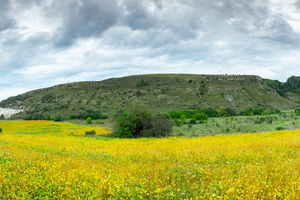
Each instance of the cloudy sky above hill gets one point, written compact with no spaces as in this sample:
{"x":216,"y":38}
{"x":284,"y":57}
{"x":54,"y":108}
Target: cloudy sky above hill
{"x":49,"y":42}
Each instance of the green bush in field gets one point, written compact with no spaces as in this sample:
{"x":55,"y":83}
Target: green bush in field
{"x":89,"y":120}
{"x":58,"y":118}
{"x":90,"y":133}
{"x":0,"y":130}
{"x":71,"y":116}
{"x":104,"y":116}
{"x":193,"y":121}
{"x":183,"y":118}
{"x":201,"y":116}
{"x":280,"y":128}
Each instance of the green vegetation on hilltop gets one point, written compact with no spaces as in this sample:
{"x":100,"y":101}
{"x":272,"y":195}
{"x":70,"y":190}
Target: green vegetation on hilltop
{"x":157,"y":92}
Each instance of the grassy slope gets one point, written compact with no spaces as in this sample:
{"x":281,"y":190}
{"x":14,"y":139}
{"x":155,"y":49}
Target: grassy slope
{"x":164,"y":92}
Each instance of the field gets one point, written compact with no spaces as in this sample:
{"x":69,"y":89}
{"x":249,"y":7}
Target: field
{"x":40,"y":161}
{"x":240,"y":124}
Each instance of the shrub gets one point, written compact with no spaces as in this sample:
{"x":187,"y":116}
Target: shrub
{"x":98,"y":122}
{"x":0,"y":130}
{"x":94,"y":113}
{"x":280,"y":128}
{"x":2,"y":116}
{"x":229,"y":111}
{"x":89,"y":120}
{"x":142,"y":83}
{"x":48,"y":117}
{"x":58,"y":118}
{"x":193,"y":121}
{"x":52,"y":118}
{"x":104,"y":116}
{"x":27,"y":117}
{"x":201,"y":116}
{"x":38,"y":116}
{"x":90,"y":133}
{"x":138,"y":122}
{"x":71,"y":116}
{"x":183,"y":118}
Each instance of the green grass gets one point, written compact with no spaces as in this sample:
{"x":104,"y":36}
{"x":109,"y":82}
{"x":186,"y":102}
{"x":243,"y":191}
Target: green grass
{"x":240,"y":124}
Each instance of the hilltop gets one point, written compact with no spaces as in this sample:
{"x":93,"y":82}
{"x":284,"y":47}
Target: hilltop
{"x":158,"y":92}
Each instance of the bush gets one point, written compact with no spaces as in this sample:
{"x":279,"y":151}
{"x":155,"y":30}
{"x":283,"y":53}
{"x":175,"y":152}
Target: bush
{"x":138,"y":122}
{"x":71,"y":116}
{"x":48,"y":117}
{"x":0,"y":130}
{"x":89,"y":120}
{"x":229,"y":111}
{"x":98,"y":122}
{"x":38,"y":116}
{"x":27,"y":117}
{"x":90,"y":133}
{"x":201,"y":116}
{"x":104,"y":116}
{"x":52,"y":118}
{"x":193,"y":121}
{"x":58,"y":118}
{"x":93,"y":113}
{"x":2,"y":117}
{"x":278,"y":128}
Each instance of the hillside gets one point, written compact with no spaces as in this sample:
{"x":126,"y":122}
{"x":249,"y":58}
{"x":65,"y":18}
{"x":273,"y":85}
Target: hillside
{"x":158,"y":92}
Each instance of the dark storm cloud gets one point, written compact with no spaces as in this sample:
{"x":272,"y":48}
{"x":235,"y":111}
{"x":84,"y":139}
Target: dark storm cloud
{"x":89,"y":18}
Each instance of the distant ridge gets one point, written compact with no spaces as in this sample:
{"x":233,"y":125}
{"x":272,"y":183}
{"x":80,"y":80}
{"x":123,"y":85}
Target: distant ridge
{"x":158,"y":92}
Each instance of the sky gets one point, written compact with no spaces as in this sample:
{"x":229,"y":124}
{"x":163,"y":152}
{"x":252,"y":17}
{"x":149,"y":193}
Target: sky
{"x":48,"y":42}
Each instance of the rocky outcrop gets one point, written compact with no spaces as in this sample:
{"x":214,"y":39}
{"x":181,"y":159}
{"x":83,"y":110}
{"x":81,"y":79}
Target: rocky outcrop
{"x":8,"y":112}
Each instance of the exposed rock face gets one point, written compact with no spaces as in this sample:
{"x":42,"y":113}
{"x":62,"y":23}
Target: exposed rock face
{"x":8,"y":112}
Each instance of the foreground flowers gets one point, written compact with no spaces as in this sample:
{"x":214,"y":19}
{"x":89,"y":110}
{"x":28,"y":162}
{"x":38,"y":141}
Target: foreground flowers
{"x":47,"y":163}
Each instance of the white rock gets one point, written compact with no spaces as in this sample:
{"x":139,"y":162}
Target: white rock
{"x":8,"y":112}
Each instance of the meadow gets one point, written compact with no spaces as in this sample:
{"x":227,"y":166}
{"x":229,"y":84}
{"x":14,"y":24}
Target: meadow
{"x":42,"y":159}
{"x":240,"y":124}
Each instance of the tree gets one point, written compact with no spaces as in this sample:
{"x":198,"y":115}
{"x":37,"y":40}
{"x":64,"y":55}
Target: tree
{"x":183,"y":118}
{"x":139,"y":122}
{"x":222,"y":111}
{"x":58,"y":118}
{"x":89,"y":120}
{"x":201,"y":116}
{"x":230,"y":111}
{"x":2,"y":117}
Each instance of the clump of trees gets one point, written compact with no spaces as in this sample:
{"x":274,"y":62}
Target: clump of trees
{"x":139,"y":122}
{"x":2,"y":117}
{"x":200,"y":114}
{"x":291,"y":85}
{"x":93,"y":113}
{"x":142,"y":83}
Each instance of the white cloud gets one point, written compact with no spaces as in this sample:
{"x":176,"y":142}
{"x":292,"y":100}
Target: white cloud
{"x":48,"y":42}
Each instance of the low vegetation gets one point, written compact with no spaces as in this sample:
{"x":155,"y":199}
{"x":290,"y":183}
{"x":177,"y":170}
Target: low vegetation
{"x":41,"y":160}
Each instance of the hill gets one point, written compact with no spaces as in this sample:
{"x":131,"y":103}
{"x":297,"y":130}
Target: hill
{"x":158,"y":92}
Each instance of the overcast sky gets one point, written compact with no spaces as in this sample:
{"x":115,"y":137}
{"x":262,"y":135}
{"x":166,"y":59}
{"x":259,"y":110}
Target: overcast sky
{"x":49,"y":42}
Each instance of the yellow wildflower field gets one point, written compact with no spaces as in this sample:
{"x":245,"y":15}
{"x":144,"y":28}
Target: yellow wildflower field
{"x":49,"y":165}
